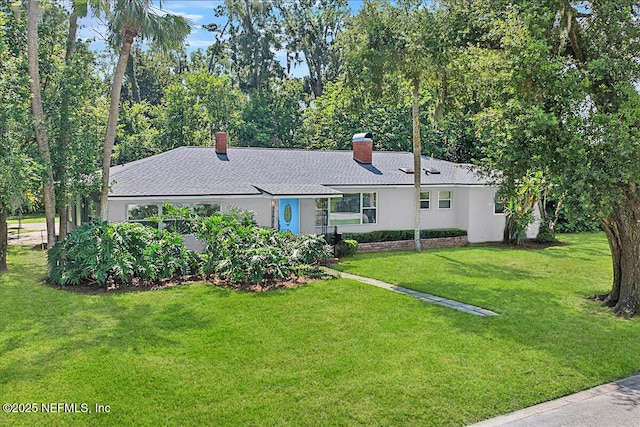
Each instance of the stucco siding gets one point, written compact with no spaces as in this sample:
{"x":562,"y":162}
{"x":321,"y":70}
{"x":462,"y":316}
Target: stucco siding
{"x":261,"y":206}
{"x":436,"y":217}
{"x":395,"y":209}
{"x":484,"y":224}
{"x":471,"y":210}
{"x":308,"y":216}
{"x":117,"y":210}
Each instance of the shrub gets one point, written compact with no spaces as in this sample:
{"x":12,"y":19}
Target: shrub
{"x":243,"y":253}
{"x":545,"y":235}
{"x":346,"y":247}
{"x":393,"y":235}
{"x":100,"y":251}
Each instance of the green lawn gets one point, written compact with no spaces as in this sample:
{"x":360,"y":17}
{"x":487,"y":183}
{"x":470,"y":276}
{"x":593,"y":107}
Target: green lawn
{"x":28,"y":219}
{"x":328,"y":353}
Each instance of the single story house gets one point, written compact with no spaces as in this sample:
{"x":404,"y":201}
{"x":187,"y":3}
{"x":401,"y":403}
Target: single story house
{"x":308,"y":191}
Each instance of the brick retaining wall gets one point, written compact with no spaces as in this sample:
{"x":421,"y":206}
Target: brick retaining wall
{"x":409,"y":245}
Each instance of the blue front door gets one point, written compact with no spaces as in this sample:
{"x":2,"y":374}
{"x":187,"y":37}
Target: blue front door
{"x":289,"y":215}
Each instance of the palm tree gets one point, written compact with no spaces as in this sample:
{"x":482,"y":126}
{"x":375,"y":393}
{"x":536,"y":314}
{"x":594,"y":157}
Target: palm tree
{"x":128,"y":20}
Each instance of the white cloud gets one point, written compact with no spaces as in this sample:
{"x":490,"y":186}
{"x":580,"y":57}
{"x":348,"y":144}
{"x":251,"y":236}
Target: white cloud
{"x":195,"y":44}
{"x":190,"y":16}
{"x":192,"y":4}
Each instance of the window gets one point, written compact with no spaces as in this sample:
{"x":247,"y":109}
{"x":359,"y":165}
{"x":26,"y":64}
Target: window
{"x":206,"y":209}
{"x":425,"y":197}
{"x":142,"y":213}
{"x":322,"y":212}
{"x":498,"y":205}
{"x":444,"y":199}
{"x":354,"y":209}
{"x":173,"y":224}
{"x":369,"y":208}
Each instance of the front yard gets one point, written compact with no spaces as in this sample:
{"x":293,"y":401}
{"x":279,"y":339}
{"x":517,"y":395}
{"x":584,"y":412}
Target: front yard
{"x":327,"y":353}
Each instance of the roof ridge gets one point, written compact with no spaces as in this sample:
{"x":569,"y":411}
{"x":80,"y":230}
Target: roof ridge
{"x":296,"y":149}
{"x":138,"y":162}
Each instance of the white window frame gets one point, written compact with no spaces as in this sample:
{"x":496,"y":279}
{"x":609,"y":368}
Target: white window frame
{"x":362,"y":209}
{"x":428,"y":200}
{"x":449,"y":199}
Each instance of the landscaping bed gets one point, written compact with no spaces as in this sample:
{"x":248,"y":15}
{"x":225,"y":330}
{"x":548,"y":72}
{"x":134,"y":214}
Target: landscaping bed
{"x":139,"y":285}
{"x":237,"y":254}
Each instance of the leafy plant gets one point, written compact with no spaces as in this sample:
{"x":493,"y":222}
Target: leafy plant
{"x":545,"y":234}
{"x":346,"y":247}
{"x":242,"y":253}
{"x":98,"y":252}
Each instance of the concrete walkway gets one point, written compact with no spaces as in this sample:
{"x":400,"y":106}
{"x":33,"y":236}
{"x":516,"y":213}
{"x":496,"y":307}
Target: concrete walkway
{"x":466,"y":308}
{"x":609,"y":405}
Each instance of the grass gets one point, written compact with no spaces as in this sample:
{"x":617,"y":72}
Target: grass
{"x":328,"y":353}
{"x":28,"y":219}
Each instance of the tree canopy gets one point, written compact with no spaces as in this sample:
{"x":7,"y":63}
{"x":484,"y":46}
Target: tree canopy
{"x":544,"y":92}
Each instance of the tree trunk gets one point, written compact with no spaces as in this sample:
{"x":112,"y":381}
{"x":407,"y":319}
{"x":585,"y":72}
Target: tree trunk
{"x":64,"y":218}
{"x":4,"y":236}
{"x":417,"y":160}
{"x":112,"y":123}
{"x":65,"y":126}
{"x":33,"y":16}
{"x":623,"y":232}
{"x":133,"y":80}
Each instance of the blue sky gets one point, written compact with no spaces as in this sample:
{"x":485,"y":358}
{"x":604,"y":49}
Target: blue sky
{"x":199,"y":12}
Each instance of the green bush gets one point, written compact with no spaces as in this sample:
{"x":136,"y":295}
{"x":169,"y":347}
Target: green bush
{"x":97,"y":252}
{"x":545,"y":235}
{"x":241,"y":252}
{"x":393,"y":235}
{"x":346,"y":247}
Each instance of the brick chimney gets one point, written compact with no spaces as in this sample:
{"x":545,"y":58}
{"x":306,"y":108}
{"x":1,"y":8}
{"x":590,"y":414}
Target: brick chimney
{"x":363,"y":147}
{"x":221,"y":142}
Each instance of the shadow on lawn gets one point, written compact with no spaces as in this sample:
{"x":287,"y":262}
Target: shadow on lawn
{"x":484,"y":269}
{"x":577,"y":334}
{"x":541,"y":317}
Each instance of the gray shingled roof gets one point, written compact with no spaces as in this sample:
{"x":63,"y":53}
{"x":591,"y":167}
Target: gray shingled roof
{"x":199,"y":171}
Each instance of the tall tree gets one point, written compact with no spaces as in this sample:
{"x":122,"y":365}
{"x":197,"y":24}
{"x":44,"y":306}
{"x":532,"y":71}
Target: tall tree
{"x":17,"y":169}
{"x":33,"y":17}
{"x":311,"y":27}
{"x":149,"y":72}
{"x":78,"y":10}
{"x":128,"y":20}
{"x":249,"y":39}
{"x":567,"y":105}
{"x":271,"y":118}
{"x":396,"y":39}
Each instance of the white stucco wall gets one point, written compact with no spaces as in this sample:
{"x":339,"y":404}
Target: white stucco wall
{"x":261,"y":206}
{"x":471,"y":209}
{"x":484,"y":224}
{"x":117,"y":210}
